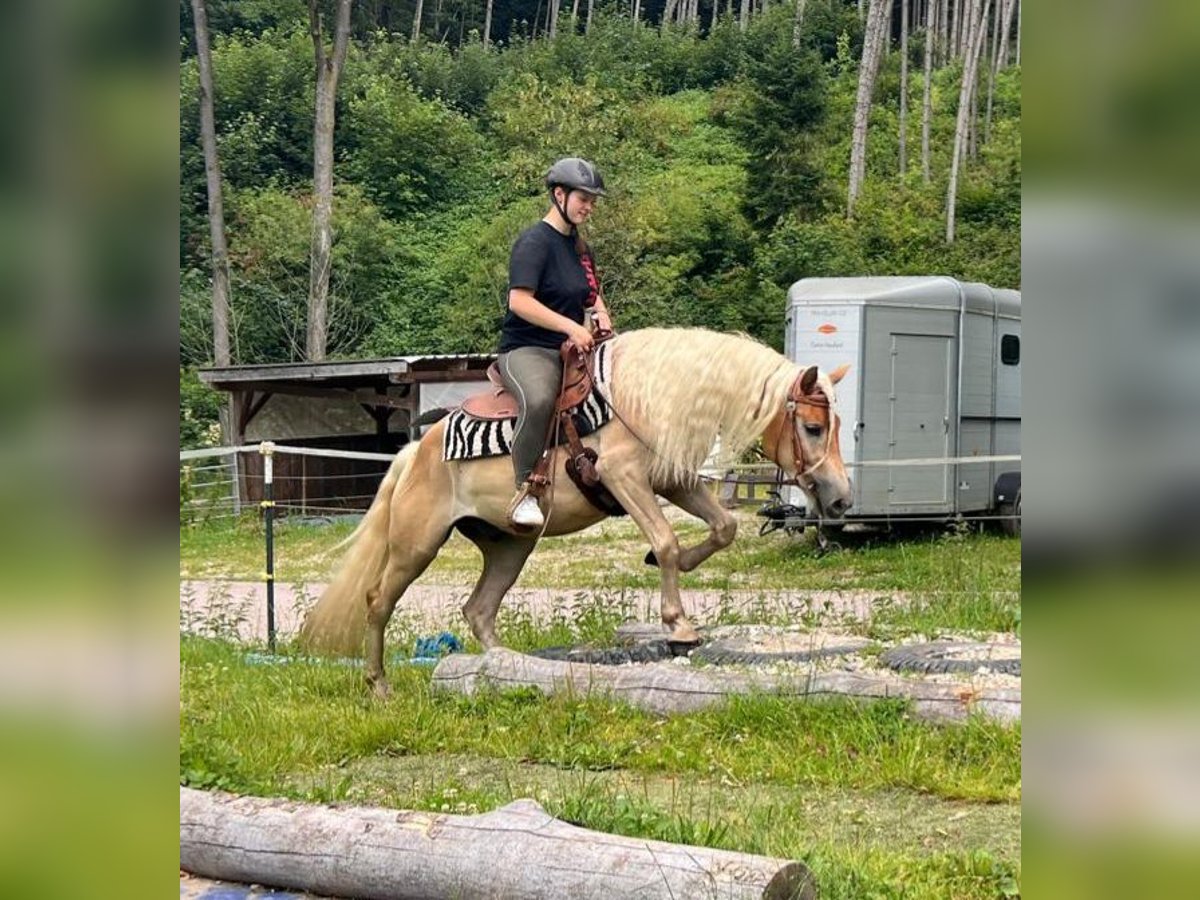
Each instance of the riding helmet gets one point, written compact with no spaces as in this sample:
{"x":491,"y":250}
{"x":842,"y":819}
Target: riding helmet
{"x":575,"y":174}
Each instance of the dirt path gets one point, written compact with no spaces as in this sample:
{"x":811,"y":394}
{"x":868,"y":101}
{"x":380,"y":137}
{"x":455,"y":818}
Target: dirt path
{"x":239,"y":608}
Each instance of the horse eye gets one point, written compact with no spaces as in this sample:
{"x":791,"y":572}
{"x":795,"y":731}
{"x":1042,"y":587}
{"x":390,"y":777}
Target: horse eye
{"x":814,"y":430}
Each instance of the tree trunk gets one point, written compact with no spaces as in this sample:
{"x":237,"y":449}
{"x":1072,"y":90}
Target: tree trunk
{"x":867,"y":71}
{"x":329,"y":70}
{"x":669,"y":690}
{"x":552,"y":19}
{"x":927,"y":93}
{"x":1006,"y":33}
{"x":903,"y":88}
{"x":216,"y":204}
{"x":744,"y":15}
{"x":516,"y":851}
{"x":798,"y":23}
{"x":487,"y":23}
{"x":416,"y":29}
{"x":574,"y":16}
{"x":998,"y":39}
{"x":970,"y":64}
{"x":943,"y":37}
{"x":1020,"y":11}
{"x":588,"y":25}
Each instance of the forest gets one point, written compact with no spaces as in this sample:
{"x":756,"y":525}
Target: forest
{"x":744,"y":145}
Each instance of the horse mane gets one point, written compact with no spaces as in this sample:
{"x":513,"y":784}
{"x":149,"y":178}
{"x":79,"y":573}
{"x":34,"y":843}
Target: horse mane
{"x":682,"y":388}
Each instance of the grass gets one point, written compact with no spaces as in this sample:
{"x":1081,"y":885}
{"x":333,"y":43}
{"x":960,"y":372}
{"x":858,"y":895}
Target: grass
{"x":879,"y":803}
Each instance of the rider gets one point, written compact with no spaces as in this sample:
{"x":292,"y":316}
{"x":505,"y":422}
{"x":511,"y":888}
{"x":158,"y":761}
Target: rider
{"x":551,"y":281}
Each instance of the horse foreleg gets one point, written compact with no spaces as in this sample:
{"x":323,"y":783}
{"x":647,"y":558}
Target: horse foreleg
{"x":503,"y":559}
{"x":630,"y":487}
{"x":722,"y":524}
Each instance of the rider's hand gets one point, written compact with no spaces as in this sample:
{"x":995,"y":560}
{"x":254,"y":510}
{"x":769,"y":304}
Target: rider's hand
{"x":580,"y":337}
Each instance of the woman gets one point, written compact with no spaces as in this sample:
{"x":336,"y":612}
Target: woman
{"x":551,"y":281}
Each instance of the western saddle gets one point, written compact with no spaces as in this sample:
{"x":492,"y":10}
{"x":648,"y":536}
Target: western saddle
{"x":577,"y":384}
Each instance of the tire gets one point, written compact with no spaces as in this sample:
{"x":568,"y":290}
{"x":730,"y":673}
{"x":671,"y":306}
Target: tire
{"x":1010,"y":517}
{"x":936,"y":658}
{"x":652,"y":651}
{"x":723,"y":652}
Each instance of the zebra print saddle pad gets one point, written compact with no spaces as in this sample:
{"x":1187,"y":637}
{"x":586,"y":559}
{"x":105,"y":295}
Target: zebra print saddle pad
{"x":469,"y":438}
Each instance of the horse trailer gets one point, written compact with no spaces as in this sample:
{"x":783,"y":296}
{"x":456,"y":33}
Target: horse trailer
{"x":935,"y":380}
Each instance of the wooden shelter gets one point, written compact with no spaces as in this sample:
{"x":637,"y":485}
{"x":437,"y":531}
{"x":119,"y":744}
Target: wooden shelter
{"x":362,"y":405}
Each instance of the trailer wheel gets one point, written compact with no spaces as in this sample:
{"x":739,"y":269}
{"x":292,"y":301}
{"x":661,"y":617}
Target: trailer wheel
{"x":1010,"y":516}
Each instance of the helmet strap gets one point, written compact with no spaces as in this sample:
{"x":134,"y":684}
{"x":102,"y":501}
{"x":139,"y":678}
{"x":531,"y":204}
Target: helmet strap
{"x":562,"y":210}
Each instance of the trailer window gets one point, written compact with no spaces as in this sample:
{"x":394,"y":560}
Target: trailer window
{"x":1010,"y":349}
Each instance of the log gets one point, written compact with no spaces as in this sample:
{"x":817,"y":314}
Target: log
{"x":670,"y":688}
{"x":517,"y":851}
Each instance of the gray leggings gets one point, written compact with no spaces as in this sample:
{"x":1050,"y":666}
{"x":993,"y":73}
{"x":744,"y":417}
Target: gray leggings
{"x":534,"y":375}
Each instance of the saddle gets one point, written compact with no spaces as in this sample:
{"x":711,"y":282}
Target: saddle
{"x":577,"y":383}
{"x":499,"y":403}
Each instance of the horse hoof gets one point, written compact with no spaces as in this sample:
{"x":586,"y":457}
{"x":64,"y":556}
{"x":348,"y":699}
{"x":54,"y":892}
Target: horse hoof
{"x":651,"y":559}
{"x":686,"y":635}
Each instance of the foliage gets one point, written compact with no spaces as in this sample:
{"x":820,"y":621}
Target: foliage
{"x":725,"y":153}
{"x":199,"y":411}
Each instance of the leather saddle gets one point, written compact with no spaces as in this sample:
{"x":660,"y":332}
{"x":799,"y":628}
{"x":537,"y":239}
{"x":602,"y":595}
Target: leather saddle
{"x":499,"y":403}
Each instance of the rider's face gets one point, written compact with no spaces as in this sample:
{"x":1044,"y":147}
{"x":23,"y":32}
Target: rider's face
{"x":579,"y":206}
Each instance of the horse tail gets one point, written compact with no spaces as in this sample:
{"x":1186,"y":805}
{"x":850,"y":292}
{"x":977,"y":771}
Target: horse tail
{"x":338,"y":623}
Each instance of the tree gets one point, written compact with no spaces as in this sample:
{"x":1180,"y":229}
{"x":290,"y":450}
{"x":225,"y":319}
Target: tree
{"x":797,"y":23}
{"x":216,"y":207}
{"x":329,"y":70}
{"x":976,"y":27}
{"x":416,"y":29}
{"x":927,"y":96}
{"x":487,"y":24}
{"x":903,"y":88}
{"x":868,"y":69}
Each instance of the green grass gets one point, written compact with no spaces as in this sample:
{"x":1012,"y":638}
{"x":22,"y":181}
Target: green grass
{"x":879,"y":803}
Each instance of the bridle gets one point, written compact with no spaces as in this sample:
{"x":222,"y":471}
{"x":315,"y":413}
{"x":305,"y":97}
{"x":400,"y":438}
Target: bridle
{"x":795,"y":399}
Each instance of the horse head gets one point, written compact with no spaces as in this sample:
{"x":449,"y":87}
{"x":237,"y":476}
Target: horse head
{"x":812,"y":454}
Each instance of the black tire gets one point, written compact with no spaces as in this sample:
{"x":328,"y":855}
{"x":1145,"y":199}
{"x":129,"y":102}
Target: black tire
{"x":719,"y":652}
{"x":1010,"y":517}
{"x":652,"y":651}
{"x":935,"y":658}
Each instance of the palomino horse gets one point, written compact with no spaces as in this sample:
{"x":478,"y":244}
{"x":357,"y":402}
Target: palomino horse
{"x":674,"y":392}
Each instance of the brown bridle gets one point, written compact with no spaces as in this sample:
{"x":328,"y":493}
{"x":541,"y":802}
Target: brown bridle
{"x":795,"y":398}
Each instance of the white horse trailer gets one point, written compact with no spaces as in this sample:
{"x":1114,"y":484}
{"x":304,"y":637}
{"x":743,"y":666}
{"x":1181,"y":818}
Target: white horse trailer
{"x":935,"y":375}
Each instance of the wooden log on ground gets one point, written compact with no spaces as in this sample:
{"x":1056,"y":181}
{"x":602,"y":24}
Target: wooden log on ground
{"x":517,"y":851}
{"x":670,"y":688}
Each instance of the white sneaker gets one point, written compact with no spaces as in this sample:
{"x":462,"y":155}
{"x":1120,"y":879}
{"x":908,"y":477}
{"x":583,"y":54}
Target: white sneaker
{"x":527,"y":512}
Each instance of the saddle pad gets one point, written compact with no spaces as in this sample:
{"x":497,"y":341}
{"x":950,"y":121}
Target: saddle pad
{"x":469,"y":438}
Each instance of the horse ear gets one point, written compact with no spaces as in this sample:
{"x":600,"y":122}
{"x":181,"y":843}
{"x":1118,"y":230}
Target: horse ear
{"x":808,"y":380}
{"x":839,"y":373}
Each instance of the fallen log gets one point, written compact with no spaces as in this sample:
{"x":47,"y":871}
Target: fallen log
{"x":669,"y":688}
{"x":517,"y":851}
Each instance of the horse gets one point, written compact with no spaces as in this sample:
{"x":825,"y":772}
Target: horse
{"x":673,"y":393}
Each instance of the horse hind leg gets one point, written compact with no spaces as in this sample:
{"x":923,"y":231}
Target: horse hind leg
{"x":412,"y":547}
{"x":504,"y":557}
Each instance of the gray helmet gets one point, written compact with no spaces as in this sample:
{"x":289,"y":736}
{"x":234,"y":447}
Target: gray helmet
{"x":575,"y":174}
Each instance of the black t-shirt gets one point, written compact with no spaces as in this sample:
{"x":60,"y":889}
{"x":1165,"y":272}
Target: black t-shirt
{"x":544,"y":261}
